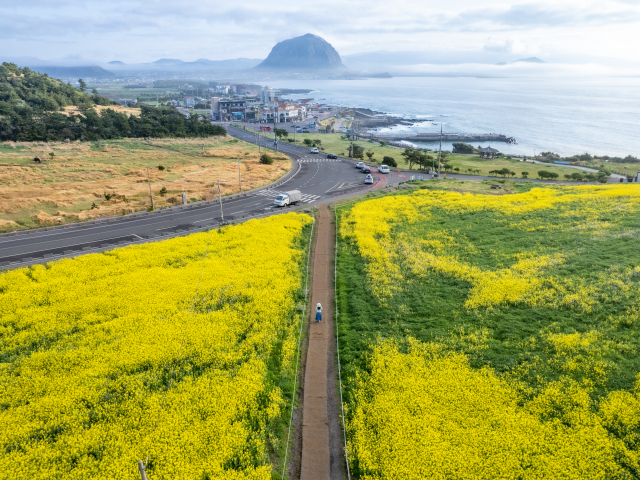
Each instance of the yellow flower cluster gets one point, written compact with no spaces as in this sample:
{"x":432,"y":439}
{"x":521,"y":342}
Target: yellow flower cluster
{"x":89,"y":346}
{"x":370,"y":226}
{"x":427,"y":414}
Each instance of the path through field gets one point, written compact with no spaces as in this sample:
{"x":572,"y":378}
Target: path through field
{"x":322,"y":448}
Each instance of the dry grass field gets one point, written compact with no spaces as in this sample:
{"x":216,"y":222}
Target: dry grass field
{"x":83,"y":180}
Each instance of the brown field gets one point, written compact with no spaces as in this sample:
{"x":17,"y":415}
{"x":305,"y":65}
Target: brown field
{"x":73,"y":185}
{"x":72,"y":109}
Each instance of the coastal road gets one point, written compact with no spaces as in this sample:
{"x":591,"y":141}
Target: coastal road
{"x":318,"y":178}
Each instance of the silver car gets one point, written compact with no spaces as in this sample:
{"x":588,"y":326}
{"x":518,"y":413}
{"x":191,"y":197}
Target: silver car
{"x":368,"y":179}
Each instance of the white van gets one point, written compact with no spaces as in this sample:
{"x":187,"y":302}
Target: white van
{"x":288,"y":198}
{"x":383,"y":168}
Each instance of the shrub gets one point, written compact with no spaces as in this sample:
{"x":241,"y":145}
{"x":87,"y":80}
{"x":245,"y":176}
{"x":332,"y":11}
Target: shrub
{"x":459,"y":147}
{"x":266,"y":159}
{"x":369,"y":155}
{"x":389,"y":161}
{"x":160,"y":167}
{"x":163,"y":191}
{"x":525,"y":174}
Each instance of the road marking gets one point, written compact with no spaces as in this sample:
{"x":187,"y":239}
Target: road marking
{"x":137,"y":236}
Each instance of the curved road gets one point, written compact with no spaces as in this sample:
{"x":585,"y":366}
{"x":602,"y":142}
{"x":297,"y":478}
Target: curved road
{"x":317,"y":177}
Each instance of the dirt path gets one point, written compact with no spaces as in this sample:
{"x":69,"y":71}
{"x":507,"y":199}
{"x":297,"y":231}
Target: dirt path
{"x":322,"y":450}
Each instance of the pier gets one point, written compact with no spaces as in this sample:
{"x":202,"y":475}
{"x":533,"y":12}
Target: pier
{"x":447,"y":136}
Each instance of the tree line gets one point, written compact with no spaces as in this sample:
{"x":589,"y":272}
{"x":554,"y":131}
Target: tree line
{"x":30,"y":106}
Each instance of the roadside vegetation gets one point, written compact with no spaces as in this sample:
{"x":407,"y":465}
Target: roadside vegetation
{"x":96,"y":376}
{"x":33,"y":107}
{"x":77,"y":181}
{"x":495,"y":335}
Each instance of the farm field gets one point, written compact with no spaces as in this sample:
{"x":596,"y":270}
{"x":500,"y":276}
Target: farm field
{"x":91,"y":346}
{"x":492,"y":336}
{"x":94,"y":179}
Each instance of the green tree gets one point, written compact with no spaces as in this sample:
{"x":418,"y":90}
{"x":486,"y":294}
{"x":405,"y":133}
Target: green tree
{"x":390,"y":161}
{"x":358,"y":152}
{"x":281,"y":133}
{"x":308,"y":142}
{"x":369,"y":155}
{"x":525,"y":174}
{"x":465,"y":148}
{"x":83,"y":85}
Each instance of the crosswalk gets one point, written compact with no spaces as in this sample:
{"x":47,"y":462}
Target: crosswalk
{"x":306,"y":198}
{"x":315,"y":160}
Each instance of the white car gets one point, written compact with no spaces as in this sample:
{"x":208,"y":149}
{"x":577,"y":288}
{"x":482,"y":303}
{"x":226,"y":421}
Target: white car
{"x":383,"y":168}
{"x":360,"y":165}
{"x":368,"y":179}
{"x":314,"y":150}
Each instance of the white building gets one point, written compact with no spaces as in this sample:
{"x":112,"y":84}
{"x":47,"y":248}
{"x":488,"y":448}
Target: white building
{"x":189,"y":101}
{"x":269,"y":95}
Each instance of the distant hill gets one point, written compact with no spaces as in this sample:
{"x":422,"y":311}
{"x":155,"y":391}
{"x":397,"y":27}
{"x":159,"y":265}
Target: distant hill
{"x":77,"y":72}
{"x":169,"y":61}
{"x":308,"y":52}
{"x":116,"y":62}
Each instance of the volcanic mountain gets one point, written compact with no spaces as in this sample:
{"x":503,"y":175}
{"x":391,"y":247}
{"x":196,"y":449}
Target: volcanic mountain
{"x":308,"y":52}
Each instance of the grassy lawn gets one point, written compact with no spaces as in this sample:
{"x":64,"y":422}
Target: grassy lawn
{"x":336,"y":143}
{"x":71,"y":185}
{"x":468,"y":163}
{"x":472,"y":323}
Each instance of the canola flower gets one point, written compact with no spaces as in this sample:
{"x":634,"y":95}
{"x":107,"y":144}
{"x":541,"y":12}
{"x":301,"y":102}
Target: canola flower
{"x":370,"y":226}
{"x":88,"y":346}
{"x":547,"y":402}
{"x":427,"y":414}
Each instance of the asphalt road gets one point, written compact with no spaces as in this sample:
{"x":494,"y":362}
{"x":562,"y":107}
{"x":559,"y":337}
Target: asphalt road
{"x":318,"y":178}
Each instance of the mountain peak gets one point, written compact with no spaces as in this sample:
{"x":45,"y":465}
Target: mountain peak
{"x":307,"y":52}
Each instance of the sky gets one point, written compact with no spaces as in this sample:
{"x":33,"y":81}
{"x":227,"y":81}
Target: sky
{"x":133,"y":31}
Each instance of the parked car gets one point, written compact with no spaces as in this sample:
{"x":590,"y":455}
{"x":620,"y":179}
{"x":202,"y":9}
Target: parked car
{"x":366,"y":169}
{"x":299,"y":130}
{"x":314,"y":150}
{"x":360,"y":165}
{"x":333,"y":156}
{"x":305,"y":130}
{"x":315,"y":116}
{"x":368,"y":179}
{"x":383,"y":168}
{"x":288,"y":198}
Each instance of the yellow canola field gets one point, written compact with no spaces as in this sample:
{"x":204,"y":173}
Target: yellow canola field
{"x":89,"y":345}
{"x":427,"y":414}
{"x":369,"y":225}
{"x":420,"y":410}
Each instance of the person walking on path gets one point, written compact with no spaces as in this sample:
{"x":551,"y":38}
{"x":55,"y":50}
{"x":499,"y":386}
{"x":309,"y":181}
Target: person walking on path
{"x":318,"y":313}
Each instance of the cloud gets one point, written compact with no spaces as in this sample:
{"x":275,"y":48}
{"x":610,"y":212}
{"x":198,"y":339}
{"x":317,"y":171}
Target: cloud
{"x":137,"y":30}
{"x":509,"y":45}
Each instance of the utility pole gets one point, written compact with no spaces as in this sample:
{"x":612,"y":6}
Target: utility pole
{"x":239,"y":178}
{"x":142,"y":469}
{"x":220,"y":197}
{"x":440,"y":151}
{"x":149,"y":181}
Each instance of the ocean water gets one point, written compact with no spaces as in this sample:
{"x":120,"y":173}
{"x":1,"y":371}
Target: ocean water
{"x":567,"y":116}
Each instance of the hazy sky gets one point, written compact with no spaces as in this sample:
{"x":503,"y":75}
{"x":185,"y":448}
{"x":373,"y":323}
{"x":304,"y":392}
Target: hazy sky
{"x":143,"y":31}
